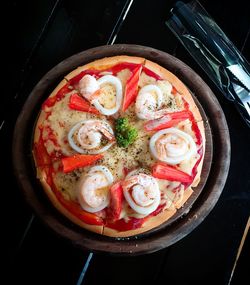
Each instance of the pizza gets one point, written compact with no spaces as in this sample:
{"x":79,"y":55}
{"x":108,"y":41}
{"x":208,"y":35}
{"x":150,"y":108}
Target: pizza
{"x":119,"y":146}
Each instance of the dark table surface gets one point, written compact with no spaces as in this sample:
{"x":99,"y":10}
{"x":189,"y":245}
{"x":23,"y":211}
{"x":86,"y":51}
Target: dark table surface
{"x":38,"y":35}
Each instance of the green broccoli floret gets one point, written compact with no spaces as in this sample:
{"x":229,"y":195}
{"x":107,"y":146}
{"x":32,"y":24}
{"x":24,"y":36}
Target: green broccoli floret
{"x":124,"y":133}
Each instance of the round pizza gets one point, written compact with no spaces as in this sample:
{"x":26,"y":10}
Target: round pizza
{"x":119,"y":146}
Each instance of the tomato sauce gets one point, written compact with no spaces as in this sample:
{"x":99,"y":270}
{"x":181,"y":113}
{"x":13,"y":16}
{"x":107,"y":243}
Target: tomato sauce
{"x":51,"y":101}
{"x":41,"y":154}
{"x":133,"y":223}
{"x":74,"y":80}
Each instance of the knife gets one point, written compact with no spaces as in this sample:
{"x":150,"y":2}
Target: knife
{"x":214,"y":52}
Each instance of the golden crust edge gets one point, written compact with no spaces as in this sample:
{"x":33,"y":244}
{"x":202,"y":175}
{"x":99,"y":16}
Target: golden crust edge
{"x":105,"y":63}
{"x":187,"y":194}
{"x":58,"y":87}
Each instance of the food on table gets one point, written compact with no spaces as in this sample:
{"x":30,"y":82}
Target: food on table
{"x":119,"y":146}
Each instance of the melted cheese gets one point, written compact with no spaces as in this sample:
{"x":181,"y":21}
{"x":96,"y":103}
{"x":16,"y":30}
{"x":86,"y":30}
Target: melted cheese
{"x":107,"y":96}
{"x":60,"y":121}
{"x":145,"y":80}
{"x":67,"y":184}
{"x":136,"y":155}
{"x":116,"y":159}
{"x":171,"y":102}
{"x":124,"y":75}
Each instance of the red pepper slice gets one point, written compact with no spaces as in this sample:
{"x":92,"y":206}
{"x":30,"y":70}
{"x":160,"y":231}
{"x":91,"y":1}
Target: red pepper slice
{"x":78,"y":103}
{"x":166,"y":121}
{"x":86,"y":217}
{"x":174,"y":91}
{"x":131,"y":88}
{"x":151,"y":73}
{"x":97,"y":73}
{"x":79,"y":160}
{"x":116,"y":198}
{"x":163,"y":171}
{"x":121,"y":66}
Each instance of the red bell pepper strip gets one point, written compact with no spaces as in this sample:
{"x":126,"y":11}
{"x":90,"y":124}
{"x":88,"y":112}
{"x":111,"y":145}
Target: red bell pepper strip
{"x":130,"y":92}
{"x":163,"y":171}
{"x":116,"y":198}
{"x":78,"y":103}
{"x":166,"y":121}
{"x":151,"y":73}
{"x":79,"y":160}
{"x":98,"y":73}
{"x":121,"y":66}
{"x":76,"y":210}
{"x":88,"y":218}
{"x":174,"y":91}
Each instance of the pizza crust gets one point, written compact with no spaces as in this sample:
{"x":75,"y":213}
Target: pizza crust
{"x":187,"y":193}
{"x":105,"y":63}
{"x":152,"y":222}
{"x":59,"y":86}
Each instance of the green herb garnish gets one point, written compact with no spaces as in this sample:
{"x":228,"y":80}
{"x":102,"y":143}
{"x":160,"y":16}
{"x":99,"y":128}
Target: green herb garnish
{"x":124,"y":133}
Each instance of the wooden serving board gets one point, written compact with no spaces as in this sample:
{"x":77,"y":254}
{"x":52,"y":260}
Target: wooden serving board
{"x":213,"y":177}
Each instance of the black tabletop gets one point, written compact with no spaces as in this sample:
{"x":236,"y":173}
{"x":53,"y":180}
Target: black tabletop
{"x":37,"y":36}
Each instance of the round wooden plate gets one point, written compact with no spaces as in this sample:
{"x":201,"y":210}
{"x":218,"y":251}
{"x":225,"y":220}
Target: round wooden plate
{"x":205,"y":196}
